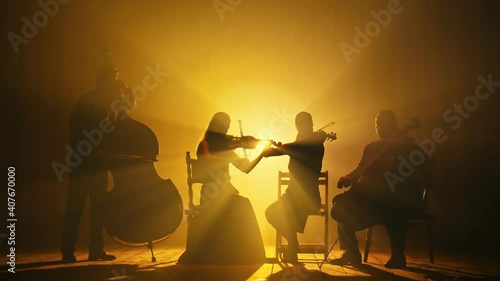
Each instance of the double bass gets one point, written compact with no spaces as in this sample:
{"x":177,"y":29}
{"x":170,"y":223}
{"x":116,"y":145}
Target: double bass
{"x":142,"y":208}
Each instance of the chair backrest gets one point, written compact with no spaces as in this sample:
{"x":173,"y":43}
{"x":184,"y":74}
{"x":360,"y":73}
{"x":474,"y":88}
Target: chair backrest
{"x":189,"y":167}
{"x":196,"y":173}
{"x":284,"y":179}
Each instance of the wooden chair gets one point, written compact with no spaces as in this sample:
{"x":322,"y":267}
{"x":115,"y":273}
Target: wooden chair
{"x":284,"y":180}
{"x":425,"y":219}
{"x":195,"y":174}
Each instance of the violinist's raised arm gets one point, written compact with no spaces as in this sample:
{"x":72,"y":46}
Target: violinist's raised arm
{"x":217,"y":147}
{"x":302,"y":198}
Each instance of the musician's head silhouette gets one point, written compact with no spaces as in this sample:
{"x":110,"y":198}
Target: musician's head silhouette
{"x":219,"y":124}
{"x":385,"y":123}
{"x":107,"y":73}
{"x":304,"y":123}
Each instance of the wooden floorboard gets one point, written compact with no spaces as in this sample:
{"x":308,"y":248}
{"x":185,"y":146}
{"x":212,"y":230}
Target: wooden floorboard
{"x":135,"y":264}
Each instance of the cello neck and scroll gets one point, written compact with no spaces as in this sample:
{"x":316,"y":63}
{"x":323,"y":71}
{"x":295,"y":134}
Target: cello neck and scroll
{"x":395,"y":137}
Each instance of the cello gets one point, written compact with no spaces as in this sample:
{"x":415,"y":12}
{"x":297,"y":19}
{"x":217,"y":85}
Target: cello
{"x":369,"y":181}
{"x":142,"y":208}
{"x":381,"y":162}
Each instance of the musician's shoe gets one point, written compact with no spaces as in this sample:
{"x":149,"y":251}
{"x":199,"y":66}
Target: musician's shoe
{"x":293,"y":259}
{"x":100,"y":256}
{"x":291,"y":256}
{"x":349,"y":257}
{"x":68,"y":258}
{"x":397,"y":262}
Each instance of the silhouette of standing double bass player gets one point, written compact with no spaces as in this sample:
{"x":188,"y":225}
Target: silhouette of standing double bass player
{"x":90,"y":177}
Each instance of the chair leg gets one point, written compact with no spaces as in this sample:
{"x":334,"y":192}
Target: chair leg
{"x":429,"y":241}
{"x":278,"y":245}
{"x":150,"y":246}
{"x":325,"y":256}
{"x":368,"y":243}
{"x":328,"y":253}
{"x":331,"y":248}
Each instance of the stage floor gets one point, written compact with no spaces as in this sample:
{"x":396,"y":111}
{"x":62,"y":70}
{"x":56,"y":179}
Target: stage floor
{"x":135,"y":264}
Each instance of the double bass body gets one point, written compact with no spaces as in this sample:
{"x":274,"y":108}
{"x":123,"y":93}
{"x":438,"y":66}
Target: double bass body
{"x":142,"y":208}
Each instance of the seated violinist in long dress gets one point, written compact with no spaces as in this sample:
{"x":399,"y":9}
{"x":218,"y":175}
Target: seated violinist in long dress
{"x":225,"y":231}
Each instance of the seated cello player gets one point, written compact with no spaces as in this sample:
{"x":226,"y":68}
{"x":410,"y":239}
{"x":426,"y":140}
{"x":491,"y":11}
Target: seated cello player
{"x":379,"y":195}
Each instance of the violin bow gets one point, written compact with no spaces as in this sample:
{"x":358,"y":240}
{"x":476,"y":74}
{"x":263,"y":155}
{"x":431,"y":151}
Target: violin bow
{"x":331,"y":136}
{"x":241,"y":134}
{"x":326,"y":126}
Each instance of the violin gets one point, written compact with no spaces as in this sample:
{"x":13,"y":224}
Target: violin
{"x":329,"y":136}
{"x":250,"y":142}
{"x":247,"y":142}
